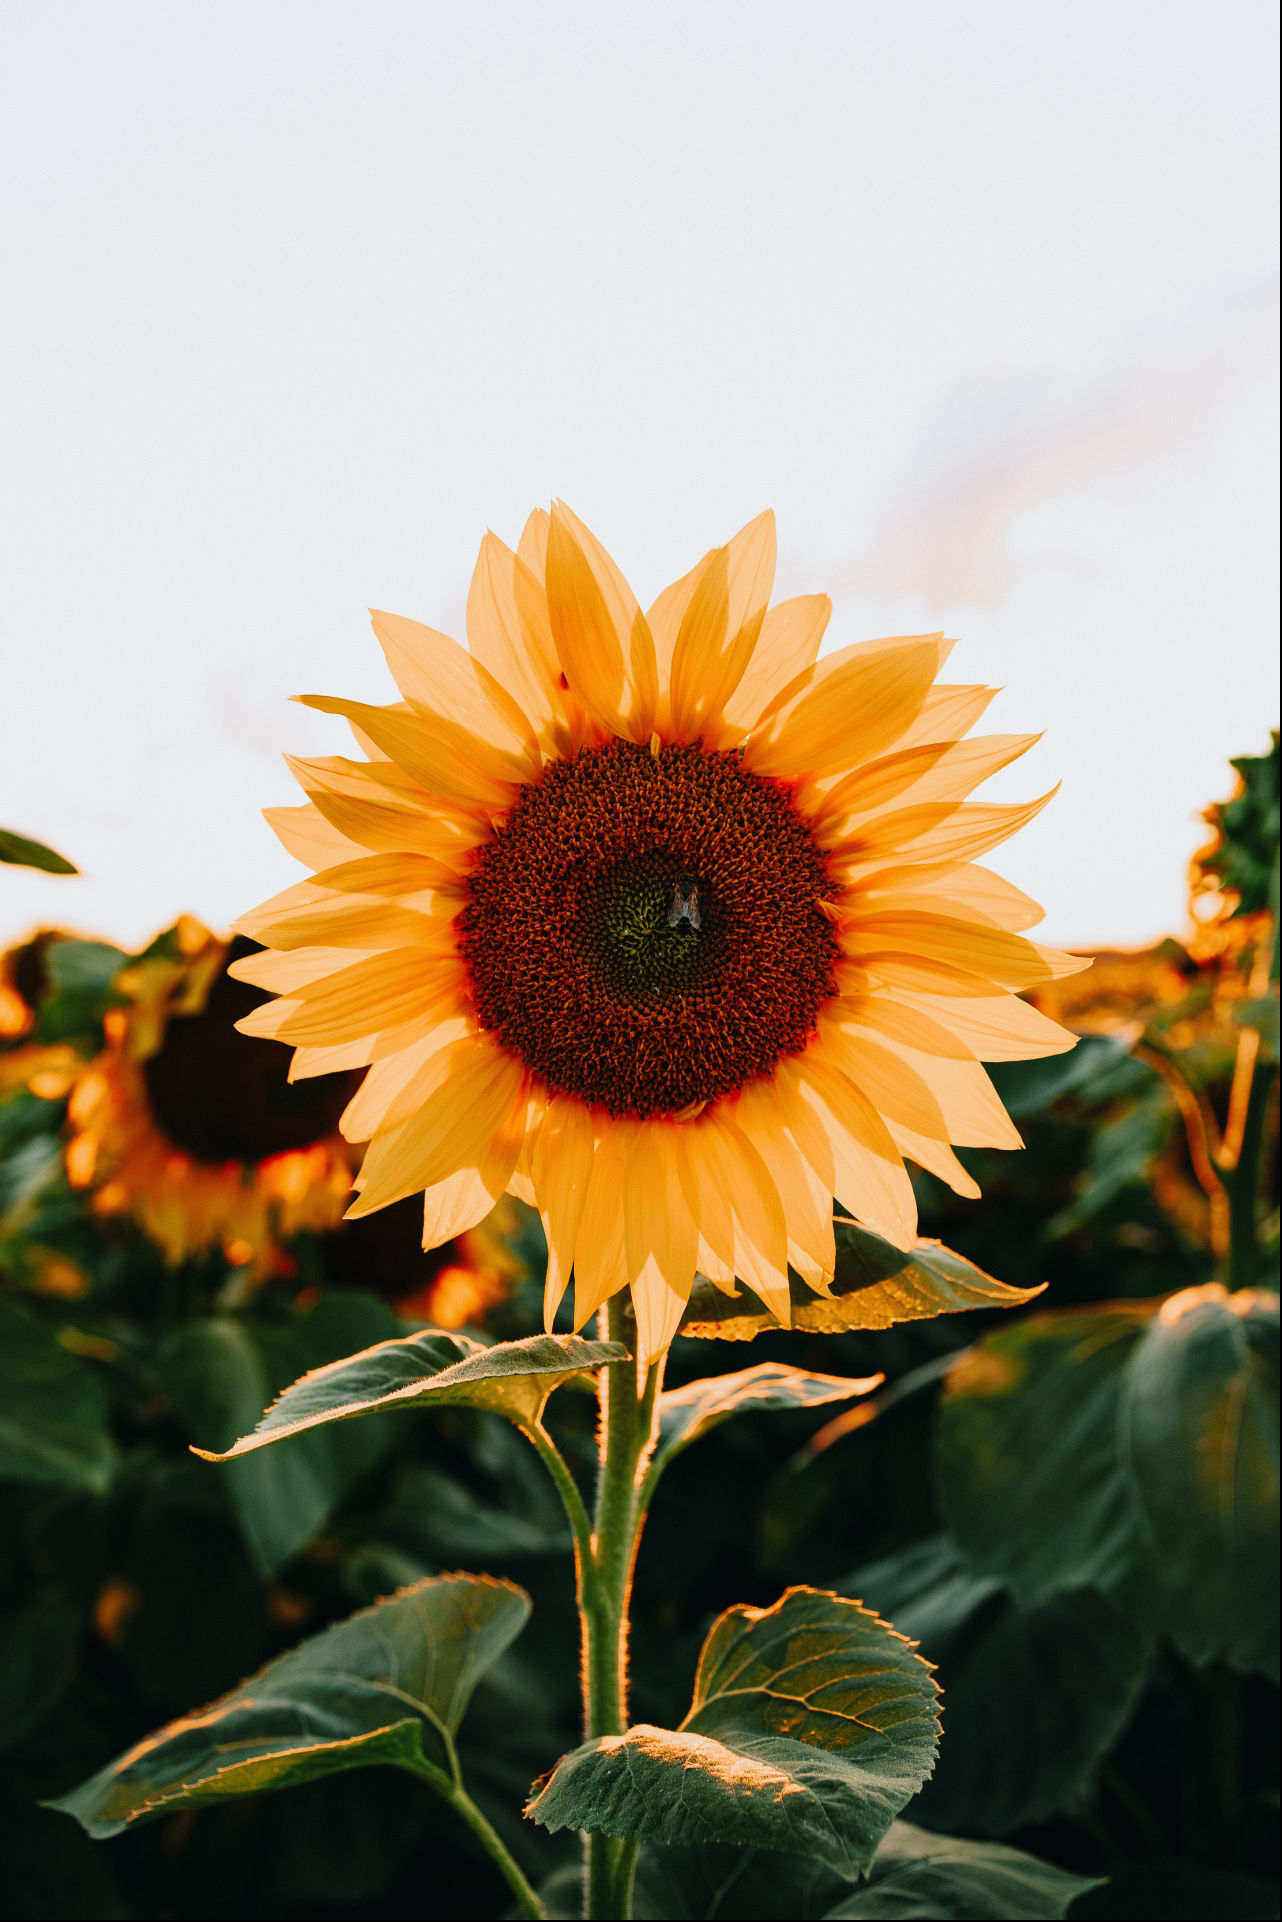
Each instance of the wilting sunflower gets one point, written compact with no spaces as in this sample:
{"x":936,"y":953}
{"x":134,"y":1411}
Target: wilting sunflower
{"x":197,"y":1131}
{"x":658,"y":921}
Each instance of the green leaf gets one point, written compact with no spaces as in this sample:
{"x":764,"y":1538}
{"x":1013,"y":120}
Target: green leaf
{"x":687,"y":1413}
{"x":914,"y":1874}
{"x":875,"y":1286}
{"x":1131,"y":1448}
{"x":920,"y":1875}
{"x":385,"y":1686}
{"x":1121,"y":1155}
{"x":1026,"y":1445}
{"x":19,"y":852}
{"x":219,"y":1373}
{"x":514,"y":1378}
{"x":1035,"y":1697}
{"x":53,"y":1409}
{"x":1030,"y":1087}
{"x":1198,"y":1427}
{"x":1263,"y":1016}
{"x":813,"y":1723}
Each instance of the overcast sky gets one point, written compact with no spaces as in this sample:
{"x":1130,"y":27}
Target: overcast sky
{"x":304,"y":296}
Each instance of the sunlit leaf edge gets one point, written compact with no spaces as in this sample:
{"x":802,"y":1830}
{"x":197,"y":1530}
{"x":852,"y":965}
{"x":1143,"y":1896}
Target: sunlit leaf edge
{"x":857,"y":1301}
{"x":470,"y":1372}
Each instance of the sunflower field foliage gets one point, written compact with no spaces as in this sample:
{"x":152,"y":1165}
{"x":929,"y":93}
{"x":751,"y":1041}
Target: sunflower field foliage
{"x":643,"y":952}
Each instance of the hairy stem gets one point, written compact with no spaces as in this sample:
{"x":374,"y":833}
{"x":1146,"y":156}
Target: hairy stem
{"x":450,"y":1787}
{"x":627,"y":1437}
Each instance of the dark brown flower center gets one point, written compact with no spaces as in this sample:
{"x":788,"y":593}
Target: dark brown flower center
{"x":643,"y":929}
{"x":221,"y":1096}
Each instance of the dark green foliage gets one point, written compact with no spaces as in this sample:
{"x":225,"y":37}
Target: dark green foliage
{"x":19,"y":852}
{"x":337,"y":1702}
{"x":1248,"y":828}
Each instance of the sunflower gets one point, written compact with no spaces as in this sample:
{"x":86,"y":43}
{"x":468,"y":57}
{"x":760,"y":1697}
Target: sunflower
{"x":195,"y":1131}
{"x":659,"y":922}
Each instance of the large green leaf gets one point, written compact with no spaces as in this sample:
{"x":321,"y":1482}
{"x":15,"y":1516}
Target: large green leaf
{"x":687,"y":1413}
{"x":53,"y":1409}
{"x":1131,"y":1448}
{"x":1198,"y":1426}
{"x":914,"y":1874}
{"x":513,"y":1378}
{"x":386,"y":1686}
{"x":19,"y":852}
{"x":220,"y":1372}
{"x":1027,"y":1451}
{"x":918,"y":1875}
{"x":1035,"y":1696}
{"x":875,"y":1286}
{"x":812,"y":1724}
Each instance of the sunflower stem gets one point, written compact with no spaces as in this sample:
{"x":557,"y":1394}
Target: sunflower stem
{"x":626,"y":1443}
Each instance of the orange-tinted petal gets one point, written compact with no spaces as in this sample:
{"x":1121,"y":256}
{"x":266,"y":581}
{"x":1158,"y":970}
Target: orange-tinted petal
{"x":856,"y":703}
{"x":848,"y":1146}
{"x":443,"y":757}
{"x":561,"y":1168}
{"x":602,"y":639}
{"x":660,"y":1235}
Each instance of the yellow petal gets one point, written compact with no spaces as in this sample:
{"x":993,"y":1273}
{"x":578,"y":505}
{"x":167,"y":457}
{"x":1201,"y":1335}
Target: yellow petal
{"x":856,"y":703}
{"x":660,"y":1235}
{"x":281,"y":972}
{"x":937,"y":831}
{"x":947,"y":713}
{"x":443,"y":757}
{"x":386,"y":827}
{"x":532,"y":548}
{"x":933,"y":772}
{"x":896,"y":1090}
{"x":309,"y":837}
{"x":456,"y":1204}
{"x":788,"y":646}
{"x":887,"y":1016}
{"x":600,"y":1269}
{"x":720,"y":628}
{"x":1000,"y":1028}
{"x":1005,"y":958}
{"x":378,"y":992}
{"x":443,"y":682}
{"x":937,"y":1158}
{"x":344,"y":921}
{"x":807,"y":1203}
{"x":561,"y":1168}
{"x":848,"y":1146}
{"x":664,"y":619}
{"x":517,"y":657}
{"x":396,"y":1087}
{"x":473,"y":1114}
{"x":602,"y":639}
{"x":403,"y":873}
{"x":971,"y":1108}
{"x":760,"y":1227}
{"x":307,"y":1062}
{"x":973,"y":890}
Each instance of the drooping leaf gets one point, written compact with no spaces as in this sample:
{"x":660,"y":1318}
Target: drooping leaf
{"x":687,"y":1413}
{"x":1198,"y":1426}
{"x":53,"y":1409}
{"x":1026,"y":1443}
{"x":812,"y":1724}
{"x":1131,"y":1448}
{"x":715,"y":1882}
{"x":918,"y":1875}
{"x":514,"y":1378}
{"x":219,"y":1374}
{"x":20,"y":852}
{"x":914,"y":1874}
{"x":1035,"y":1696}
{"x":875,"y":1286}
{"x":377,"y":1688}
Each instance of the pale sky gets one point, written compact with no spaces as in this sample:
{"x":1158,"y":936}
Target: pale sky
{"x":302,"y":296}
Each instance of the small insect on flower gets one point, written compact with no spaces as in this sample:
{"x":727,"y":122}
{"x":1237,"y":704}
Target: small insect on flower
{"x":658,"y":921}
{"x":685,"y":903}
